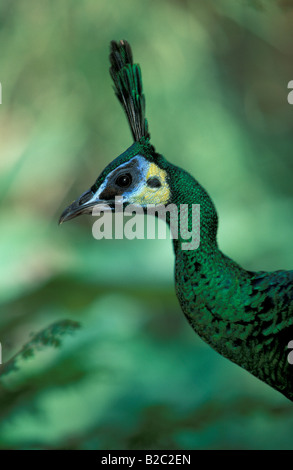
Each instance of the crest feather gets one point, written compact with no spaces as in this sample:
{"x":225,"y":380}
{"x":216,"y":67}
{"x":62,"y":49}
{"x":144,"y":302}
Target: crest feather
{"x":128,"y":87}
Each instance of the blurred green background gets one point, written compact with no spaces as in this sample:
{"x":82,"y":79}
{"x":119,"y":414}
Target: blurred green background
{"x":134,"y":375}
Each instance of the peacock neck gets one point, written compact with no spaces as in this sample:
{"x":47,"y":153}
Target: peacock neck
{"x":196,"y":214}
{"x":211,"y":287}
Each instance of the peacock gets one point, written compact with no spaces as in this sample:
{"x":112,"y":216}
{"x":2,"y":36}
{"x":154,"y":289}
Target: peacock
{"x":245,"y":316}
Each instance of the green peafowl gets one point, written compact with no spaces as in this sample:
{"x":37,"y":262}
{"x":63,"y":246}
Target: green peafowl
{"x":245,"y":316}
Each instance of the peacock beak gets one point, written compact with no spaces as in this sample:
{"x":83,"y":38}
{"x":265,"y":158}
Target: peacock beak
{"x":83,"y":205}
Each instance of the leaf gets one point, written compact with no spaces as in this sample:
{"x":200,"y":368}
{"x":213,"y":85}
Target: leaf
{"x":50,"y":336}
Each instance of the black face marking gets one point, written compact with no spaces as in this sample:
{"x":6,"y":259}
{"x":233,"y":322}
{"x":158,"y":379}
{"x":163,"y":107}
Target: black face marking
{"x":154,"y":182}
{"x":123,"y":178}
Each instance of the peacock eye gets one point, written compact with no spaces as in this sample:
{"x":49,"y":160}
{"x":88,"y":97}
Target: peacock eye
{"x":124,"y":180}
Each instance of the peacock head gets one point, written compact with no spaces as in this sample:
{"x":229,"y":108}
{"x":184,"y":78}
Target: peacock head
{"x":139,"y":176}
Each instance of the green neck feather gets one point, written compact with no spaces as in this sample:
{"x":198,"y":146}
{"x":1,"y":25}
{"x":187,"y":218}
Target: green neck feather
{"x":209,"y":285}
{"x":186,"y":190}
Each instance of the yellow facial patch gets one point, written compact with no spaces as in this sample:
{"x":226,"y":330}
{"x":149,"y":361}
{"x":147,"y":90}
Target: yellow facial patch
{"x":148,"y":195}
